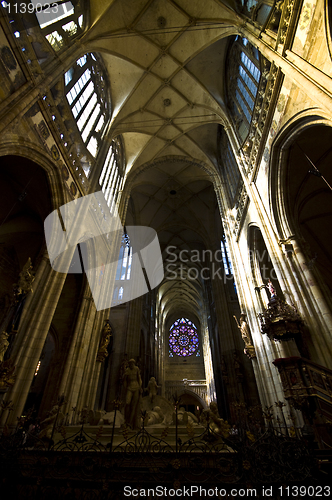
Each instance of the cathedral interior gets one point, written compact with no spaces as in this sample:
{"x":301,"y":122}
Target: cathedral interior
{"x":165,"y":254}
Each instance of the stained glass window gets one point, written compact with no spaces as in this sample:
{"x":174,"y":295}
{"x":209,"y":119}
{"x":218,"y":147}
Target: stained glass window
{"x":183,"y":338}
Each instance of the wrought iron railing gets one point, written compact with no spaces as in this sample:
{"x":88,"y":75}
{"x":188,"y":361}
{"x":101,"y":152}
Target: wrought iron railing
{"x":101,"y":462}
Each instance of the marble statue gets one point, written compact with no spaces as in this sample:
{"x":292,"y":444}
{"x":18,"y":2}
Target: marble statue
{"x":184,"y":417}
{"x":153,"y":417}
{"x":217,"y":424}
{"x":101,"y":417}
{"x":152,"y":389}
{"x":165,"y":406}
{"x":133,"y":386}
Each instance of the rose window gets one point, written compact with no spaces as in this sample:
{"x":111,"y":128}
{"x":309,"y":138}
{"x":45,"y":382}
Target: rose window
{"x":183,"y":338}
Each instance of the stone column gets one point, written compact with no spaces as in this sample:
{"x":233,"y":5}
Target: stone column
{"x":134,"y":327}
{"x":35,"y":324}
{"x":227,"y":341}
{"x":77,"y":357}
{"x":92,"y":369}
{"x":322,"y":333}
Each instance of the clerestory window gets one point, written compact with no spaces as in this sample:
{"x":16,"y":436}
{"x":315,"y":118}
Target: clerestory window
{"x":244,"y":76}
{"x":123,"y":271}
{"x":111,"y":175}
{"x":226,"y":257}
{"x":86,"y":92}
{"x":228,"y":166}
{"x":58,"y":20}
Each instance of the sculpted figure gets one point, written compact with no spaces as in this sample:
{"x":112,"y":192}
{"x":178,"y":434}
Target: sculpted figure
{"x":215,"y":420}
{"x":244,"y":329}
{"x":152,"y":388}
{"x":133,"y":386}
{"x":48,"y":423}
{"x":7,"y":377}
{"x":155,"y":416}
{"x":217,"y":424}
{"x":3,"y":345}
{"x":104,"y":341}
{"x":271,"y":289}
{"x":184,"y":417}
{"x":26,"y":278}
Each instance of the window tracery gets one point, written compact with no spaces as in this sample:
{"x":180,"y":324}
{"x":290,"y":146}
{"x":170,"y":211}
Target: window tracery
{"x":226,"y":257}
{"x":124,"y":268}
{"x":228,"y":165}
{"x":183,"y":339}
{"x":58,"y":21}
{"x":86,"y":92}
{"x":244,"y":77}
{"x":258,"y":10}
{"x":111,"y":176}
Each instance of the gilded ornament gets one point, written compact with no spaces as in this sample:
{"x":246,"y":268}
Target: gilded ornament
{"x":55,"y":152}
{"x":26,"y":278}
{"x":104,"y":341}
{"x":243,"y":326}
{"x":3,"y":345}
{"x":280,"y":321}
{"x":305,"y":16}
{"x":7,"y":377}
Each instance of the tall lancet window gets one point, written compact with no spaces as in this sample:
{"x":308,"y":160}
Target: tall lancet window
{"x":123,"y":272}
{"x":243,"y":77}
{"x":111,"y":175}
{"x":183,"y":339}
{"x":87,"y":95}
{"x":228,"y":166}
{"x":225,"y":256}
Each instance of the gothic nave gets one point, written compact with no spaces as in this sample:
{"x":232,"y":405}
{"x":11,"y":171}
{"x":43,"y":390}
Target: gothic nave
{"x":165,"y":242}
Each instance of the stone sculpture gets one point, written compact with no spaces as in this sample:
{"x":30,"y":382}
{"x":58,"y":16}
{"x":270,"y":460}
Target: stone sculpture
{"x":152,"y":388}
{"x":133,"y":386}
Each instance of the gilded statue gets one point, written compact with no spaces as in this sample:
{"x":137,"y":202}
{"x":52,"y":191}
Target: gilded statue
{"x":26,"y":278}
{"x":249,"y":349}
{"x":7,"y":377}
{"x":3,"y":345}
{"x":244,"y":329}
{"x":104,"y":341}
{"x":271,"y":289}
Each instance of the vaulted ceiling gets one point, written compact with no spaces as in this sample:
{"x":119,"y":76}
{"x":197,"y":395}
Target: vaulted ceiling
{"x":166,"y":64}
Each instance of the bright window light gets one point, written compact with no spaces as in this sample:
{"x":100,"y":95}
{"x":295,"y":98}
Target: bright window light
{"x":51,"y":15}
{"x":93,"y":146}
